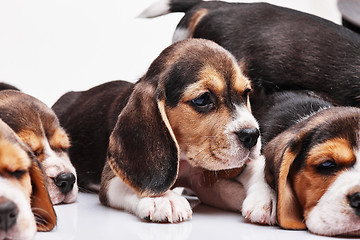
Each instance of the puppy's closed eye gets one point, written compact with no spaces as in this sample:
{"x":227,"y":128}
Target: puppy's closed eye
{"x":18,"y":174}
{"x":38,"y":152}
{"x":326,"y":167}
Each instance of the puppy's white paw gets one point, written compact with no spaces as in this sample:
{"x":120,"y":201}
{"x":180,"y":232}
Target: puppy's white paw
{"x":259,"y":206}
{"x":170,"y":207}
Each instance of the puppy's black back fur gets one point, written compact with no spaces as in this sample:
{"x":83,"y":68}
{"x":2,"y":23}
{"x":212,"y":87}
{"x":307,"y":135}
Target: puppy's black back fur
{"x":280,"y":110}
{"x":6,"y":86}
{"x":91,"y":116}
{"x":283,"y":49}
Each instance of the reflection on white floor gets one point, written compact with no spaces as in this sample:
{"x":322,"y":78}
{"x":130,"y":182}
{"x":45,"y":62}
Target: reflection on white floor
{"x":87,"y":219}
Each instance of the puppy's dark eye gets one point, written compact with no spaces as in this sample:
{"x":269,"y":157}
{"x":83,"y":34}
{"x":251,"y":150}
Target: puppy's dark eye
{"x":60,"y":149}
{"x":327,"y":166}
{"x":203,"y":100}
{"x":18,"y":174}
{"x":38,"y":152}
{"x":203,"y":103}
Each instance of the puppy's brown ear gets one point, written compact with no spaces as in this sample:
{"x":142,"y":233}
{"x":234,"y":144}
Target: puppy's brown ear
{"x":143,"y":150}
{"x":41,"y":205}
{"x":280,"y":154}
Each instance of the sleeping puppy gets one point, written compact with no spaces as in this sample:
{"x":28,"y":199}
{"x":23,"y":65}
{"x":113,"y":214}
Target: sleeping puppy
{"x":25,"y":205}
{"x":38,"y":127}
{"x":189,"y":113}
{"x":312,"y":161}
{"x":277,"y":48}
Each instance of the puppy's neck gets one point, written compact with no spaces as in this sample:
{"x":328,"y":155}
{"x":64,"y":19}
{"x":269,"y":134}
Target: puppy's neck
{"x":188,"y":175}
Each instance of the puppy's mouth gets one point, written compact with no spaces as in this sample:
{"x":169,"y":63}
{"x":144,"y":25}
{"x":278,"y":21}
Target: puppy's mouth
{"x":355,"y":233}
{"x":231,"y":162}
{"x":219,"y":161}
{"x":353,"y":227}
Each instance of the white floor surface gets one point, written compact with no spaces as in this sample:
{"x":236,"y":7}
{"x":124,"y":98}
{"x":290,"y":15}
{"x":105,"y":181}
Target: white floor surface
{"x":87,"y":219}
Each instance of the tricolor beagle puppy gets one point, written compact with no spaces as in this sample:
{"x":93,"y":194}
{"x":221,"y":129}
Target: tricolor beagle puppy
{"x":38,"y":127}
{"x":277,"y":48}
{"x":190,"y":112}
{"x":25,"y":205}
{"x":312,"y":152}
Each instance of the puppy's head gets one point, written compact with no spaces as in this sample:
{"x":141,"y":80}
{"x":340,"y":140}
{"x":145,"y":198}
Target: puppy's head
{"x":315,"y":168}
{"x":25,"y":204}
{"x":192,"y":103}
{"x":39,"y":128}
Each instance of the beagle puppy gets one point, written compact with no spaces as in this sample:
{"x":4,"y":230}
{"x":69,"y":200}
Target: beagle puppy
{"x":38,"y":127}
{"x":25,"y":205}
{"x":312,"y":162}
{"x":189,"y":113}
{"x":277,"y":48}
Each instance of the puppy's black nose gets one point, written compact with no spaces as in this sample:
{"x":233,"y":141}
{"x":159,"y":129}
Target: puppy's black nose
{"x":65,"y":182}
{"x":8,"y":214}
{"x":248,"y":137}
{"x":354,"y":201}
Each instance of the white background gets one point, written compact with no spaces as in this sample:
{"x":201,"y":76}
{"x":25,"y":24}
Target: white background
{"x":48,"y":47}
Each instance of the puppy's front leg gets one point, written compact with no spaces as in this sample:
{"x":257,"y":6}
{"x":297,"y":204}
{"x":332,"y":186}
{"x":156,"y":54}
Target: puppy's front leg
{"x":168,"y":207}
{"x":260,"y":203}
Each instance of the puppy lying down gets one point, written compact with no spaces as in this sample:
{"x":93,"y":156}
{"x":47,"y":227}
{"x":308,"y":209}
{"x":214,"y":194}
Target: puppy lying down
{"x":25,"y":205}
{"x":312,"y":161}
{"x":38,"y":127}
{"x":189,"y":113}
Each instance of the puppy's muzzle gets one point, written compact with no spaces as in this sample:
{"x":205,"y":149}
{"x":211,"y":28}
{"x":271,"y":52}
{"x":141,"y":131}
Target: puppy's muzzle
{"x":354,"y":201}
{"x":65,"y":182}
{"x":8,"y":214}
{"x":248,"y":137}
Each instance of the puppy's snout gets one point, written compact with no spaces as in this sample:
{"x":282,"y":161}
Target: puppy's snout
{"x":8,"y":214}
{"x":65,"y":182}
{"x":354,"y":201}
{"x":248,"y":137}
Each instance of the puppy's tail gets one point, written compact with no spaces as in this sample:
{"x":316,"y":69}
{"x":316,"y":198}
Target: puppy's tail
{"x":164,"y":7}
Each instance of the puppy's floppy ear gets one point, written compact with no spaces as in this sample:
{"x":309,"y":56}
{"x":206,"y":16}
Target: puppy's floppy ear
{"x":41,"y":204}
{"x":280,"y":154}
{"x":143,"y":150}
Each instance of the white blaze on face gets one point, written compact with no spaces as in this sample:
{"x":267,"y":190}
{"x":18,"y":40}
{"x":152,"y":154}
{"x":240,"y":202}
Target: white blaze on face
{"x":54,"y":164}
{"x":242,"y":119}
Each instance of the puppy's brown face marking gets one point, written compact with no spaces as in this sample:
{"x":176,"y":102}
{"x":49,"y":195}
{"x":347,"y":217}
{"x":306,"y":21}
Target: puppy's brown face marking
{"x":33,"y":141}
{"x":14,"y":165}
{"x":207,"y":103}
{"x":321,"y":169}
{"x":58,"y":141}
